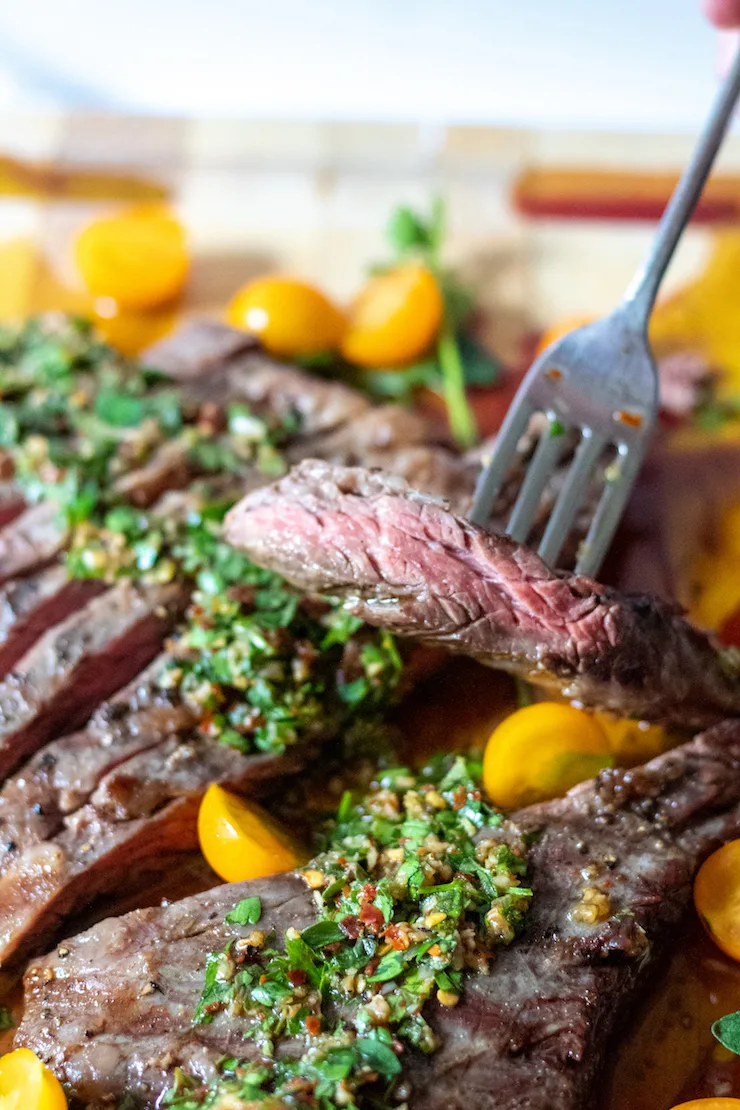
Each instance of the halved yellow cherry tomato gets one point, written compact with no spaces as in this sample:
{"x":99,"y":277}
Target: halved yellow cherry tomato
{"x":710,"y":1104}
{"x":239,"y":840}
{"x":291,"y":317}
{"x":395,"y":318}
{"x":138,"y":257}
{"x":540,"y":752}
{"x":717,"y":897}
{"x":27,"y":1084}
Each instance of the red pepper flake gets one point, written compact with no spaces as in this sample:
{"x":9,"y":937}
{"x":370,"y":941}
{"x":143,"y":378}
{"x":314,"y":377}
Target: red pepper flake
{"x":372,"y":918}
{"x":297,"y":977}
{"x":351,"y":926}
{"x":367,"y":894}
{"x":398,"y":938}
{"x":458,"y":798}
{"x":313,"y":1025}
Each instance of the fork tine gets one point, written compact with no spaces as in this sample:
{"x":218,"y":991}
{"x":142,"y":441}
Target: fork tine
{"x":492,"y":476}
{"x":571,"y":495}
{"x":539,"y":471}
{"x":609,"y":510}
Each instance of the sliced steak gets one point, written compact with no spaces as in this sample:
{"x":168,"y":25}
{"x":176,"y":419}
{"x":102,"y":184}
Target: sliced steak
{"x":32,"y":540}
{"x":217,"y":363}
{"x":31,"y":605}
{"x":196,"y":349}
{"x":111,"y":1011}
{"x":60,"y":778}
{"x":139,"y":978}
{"x":11,"y":502}
{"x":80,"y":662}
{"x":141,"y":815}
{"x":167,"y":469}
{"x":404,"y":561}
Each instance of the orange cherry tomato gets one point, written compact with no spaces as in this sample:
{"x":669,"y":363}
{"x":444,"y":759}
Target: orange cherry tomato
{"x":710,"y":1104}
{"x":540,"y":751}
{"x":717,"y":897}
{"x":395,"y":318}
{"x":27,"y":1084}
{"x":559,"y":329}
{"x":139,"y":257}
{"x":239,"y":840}
{"x":292,"y":318}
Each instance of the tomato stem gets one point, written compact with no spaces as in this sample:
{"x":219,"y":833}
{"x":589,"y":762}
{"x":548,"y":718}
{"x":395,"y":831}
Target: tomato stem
{"x":461,"y":416}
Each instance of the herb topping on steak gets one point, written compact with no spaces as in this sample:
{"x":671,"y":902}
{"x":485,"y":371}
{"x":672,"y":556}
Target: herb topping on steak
{"x":610,"y":866}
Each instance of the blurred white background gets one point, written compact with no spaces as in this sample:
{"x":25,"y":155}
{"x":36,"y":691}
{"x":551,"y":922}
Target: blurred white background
{"x":637,"y":64}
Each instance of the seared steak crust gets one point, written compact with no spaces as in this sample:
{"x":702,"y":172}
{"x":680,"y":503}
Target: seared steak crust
{"x":111,"y":1010}
{"x":29,"y":606}
{"x":402,"y":560}
{"x":81,"y":661}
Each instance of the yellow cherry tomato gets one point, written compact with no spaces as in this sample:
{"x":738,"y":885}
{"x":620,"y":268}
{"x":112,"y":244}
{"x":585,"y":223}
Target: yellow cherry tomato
{"x":27,"y":1084}
{"x":138,"y":258}
{"x":540,"y":752}
{"x":239,"y":840}
{"x":710,"y":1104}
{"x":717,"y":897}
{"x":291,"y":317}
{"x":130,"y":330}
{"x":395,"y":319}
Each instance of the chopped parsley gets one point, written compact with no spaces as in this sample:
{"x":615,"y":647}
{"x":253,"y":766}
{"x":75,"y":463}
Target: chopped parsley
{"x":416,"y":884}
{"x":77,"y":418}
{"x":261,"y":665}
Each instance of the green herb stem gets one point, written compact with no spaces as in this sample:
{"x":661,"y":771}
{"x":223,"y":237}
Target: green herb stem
{"x":462,"y":421}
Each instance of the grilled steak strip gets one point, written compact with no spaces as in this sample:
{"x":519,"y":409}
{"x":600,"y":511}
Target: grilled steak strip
{"x":80,"y":662}
{"x":139,"y":978}
{"x":141,"y":815}
{"x":11,"y":502}
{"x":404,"y":561}
{"x":112,"y":1010}
{"x":219,"y":363}
{"x":29,"y":606}
{"x":544,"y":1022}
{"x":32,"y":540}
{"x":60,"y":778}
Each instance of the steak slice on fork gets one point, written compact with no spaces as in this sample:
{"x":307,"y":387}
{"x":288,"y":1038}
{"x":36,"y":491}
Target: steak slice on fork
{"x":402,"y":560}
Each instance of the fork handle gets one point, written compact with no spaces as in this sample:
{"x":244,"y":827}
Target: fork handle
{"x":641,"y":294}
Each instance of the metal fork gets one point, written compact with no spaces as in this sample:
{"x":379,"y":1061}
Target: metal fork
{"x":599,"y":384}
